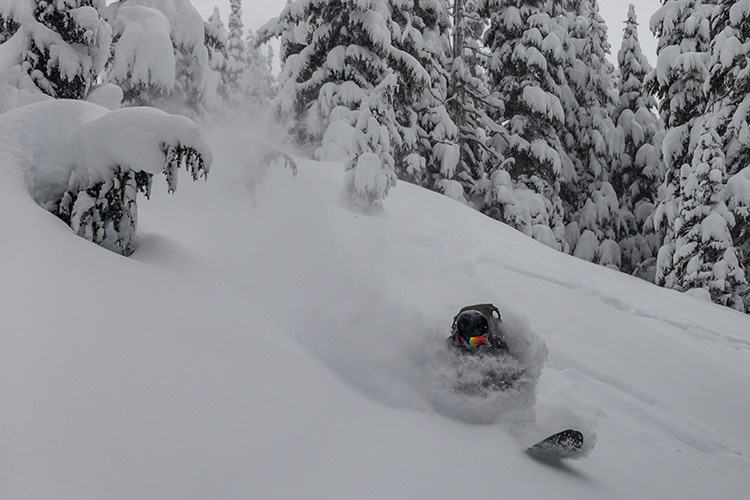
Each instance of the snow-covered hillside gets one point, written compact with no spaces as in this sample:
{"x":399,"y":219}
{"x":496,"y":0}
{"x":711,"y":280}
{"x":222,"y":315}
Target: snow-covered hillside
{"x":266,"y":342}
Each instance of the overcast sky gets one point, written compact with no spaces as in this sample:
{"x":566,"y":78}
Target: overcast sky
{"x":257,"y":12}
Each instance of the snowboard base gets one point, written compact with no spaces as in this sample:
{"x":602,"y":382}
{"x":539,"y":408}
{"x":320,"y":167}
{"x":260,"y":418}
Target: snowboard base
{"x":567,"y":444}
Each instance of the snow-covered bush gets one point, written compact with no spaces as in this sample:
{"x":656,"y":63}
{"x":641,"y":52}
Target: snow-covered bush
{"x":86,"y":163}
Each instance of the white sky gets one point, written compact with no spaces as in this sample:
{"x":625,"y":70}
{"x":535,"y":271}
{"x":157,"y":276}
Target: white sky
{"x":257,"y":12}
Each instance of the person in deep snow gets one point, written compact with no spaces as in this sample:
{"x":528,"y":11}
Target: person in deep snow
{"x":476,"y":332}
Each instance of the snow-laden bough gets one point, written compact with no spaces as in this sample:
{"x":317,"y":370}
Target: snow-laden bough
{"x":86,"y":164}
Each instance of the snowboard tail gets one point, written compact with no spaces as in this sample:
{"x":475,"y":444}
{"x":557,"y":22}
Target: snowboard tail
{"x":567,"y":444}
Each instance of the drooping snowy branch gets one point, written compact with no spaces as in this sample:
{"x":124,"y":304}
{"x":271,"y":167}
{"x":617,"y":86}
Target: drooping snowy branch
{"x":86,"y":163}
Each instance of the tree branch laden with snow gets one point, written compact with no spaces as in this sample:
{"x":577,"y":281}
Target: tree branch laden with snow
{"x":86,"y":163}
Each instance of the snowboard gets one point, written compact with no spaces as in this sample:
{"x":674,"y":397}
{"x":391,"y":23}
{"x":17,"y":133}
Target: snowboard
{"x":567,"y":444}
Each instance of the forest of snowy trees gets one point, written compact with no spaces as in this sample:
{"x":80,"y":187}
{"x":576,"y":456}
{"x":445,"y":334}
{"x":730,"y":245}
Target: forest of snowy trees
{"x":512,"y":107}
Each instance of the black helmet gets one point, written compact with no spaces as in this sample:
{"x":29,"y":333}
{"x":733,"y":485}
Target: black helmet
{"x":470,"y":324}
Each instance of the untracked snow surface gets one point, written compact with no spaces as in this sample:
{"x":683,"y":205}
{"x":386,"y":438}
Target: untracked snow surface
{"x":266,"y":342}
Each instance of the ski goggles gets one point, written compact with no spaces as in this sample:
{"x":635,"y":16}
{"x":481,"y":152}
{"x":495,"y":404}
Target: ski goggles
{"x":477,"y":341}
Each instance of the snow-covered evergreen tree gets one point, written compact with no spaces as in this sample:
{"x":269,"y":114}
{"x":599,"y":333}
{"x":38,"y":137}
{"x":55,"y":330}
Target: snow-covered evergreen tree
{"x":11,"y":13}
{"x":638,"y":170}
{"x":143,"y":60}
{"x":215,"y":38}
{"x":476,"y":113}
{"x":257,"y":84}
{"x":236,"y":63}
{"x":704,"y":255}
{"x":371,"y":167}
{"x":525,"y":68}
{"x":593,"y":201}
{"x":142,"y":65}
{"x":103,"y":208}
{"x":738,"y":201}
{"x":572,"y":94}
{"x":65,"y":45}
{"x":595,"y":91}
{"x":729,"y":106}
{"x":428,"y":154}
{"x":683,"y":29}
{"x":729,"y":80}
{"x":337,"y":87}
{"x":86,"y":163}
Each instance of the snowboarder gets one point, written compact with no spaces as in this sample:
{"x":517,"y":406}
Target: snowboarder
{"x":476,"y":330}
{"x":477,"y":333}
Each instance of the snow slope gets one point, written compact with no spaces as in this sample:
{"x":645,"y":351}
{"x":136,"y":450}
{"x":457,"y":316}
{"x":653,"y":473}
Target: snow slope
{"x":266,"y":342}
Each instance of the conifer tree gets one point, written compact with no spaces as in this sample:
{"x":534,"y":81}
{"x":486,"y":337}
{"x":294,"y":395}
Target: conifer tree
{"x":100,"y":201}
{"x":66,"y":44}
{"x":338,"y":85}
{"x":596,"y":94}
{"x":428,"y":154}
{"x":704,"y":255}
{"x":216,"y":38}
{"x":257,"y":83}
{"x":142,"y":64}
{"x":729,"y":80}
{"x":525,"y":70}
{"x":683,"y":30}
{"x":729,"y":106}
{"x":11,"y":13}
{"x":572,"y":94}
{"x":476,"y":111}
{"x":593,"y":204}
{"x":737,"y":195}
{"x":236,"y":63}
{"x":638,"y":169}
